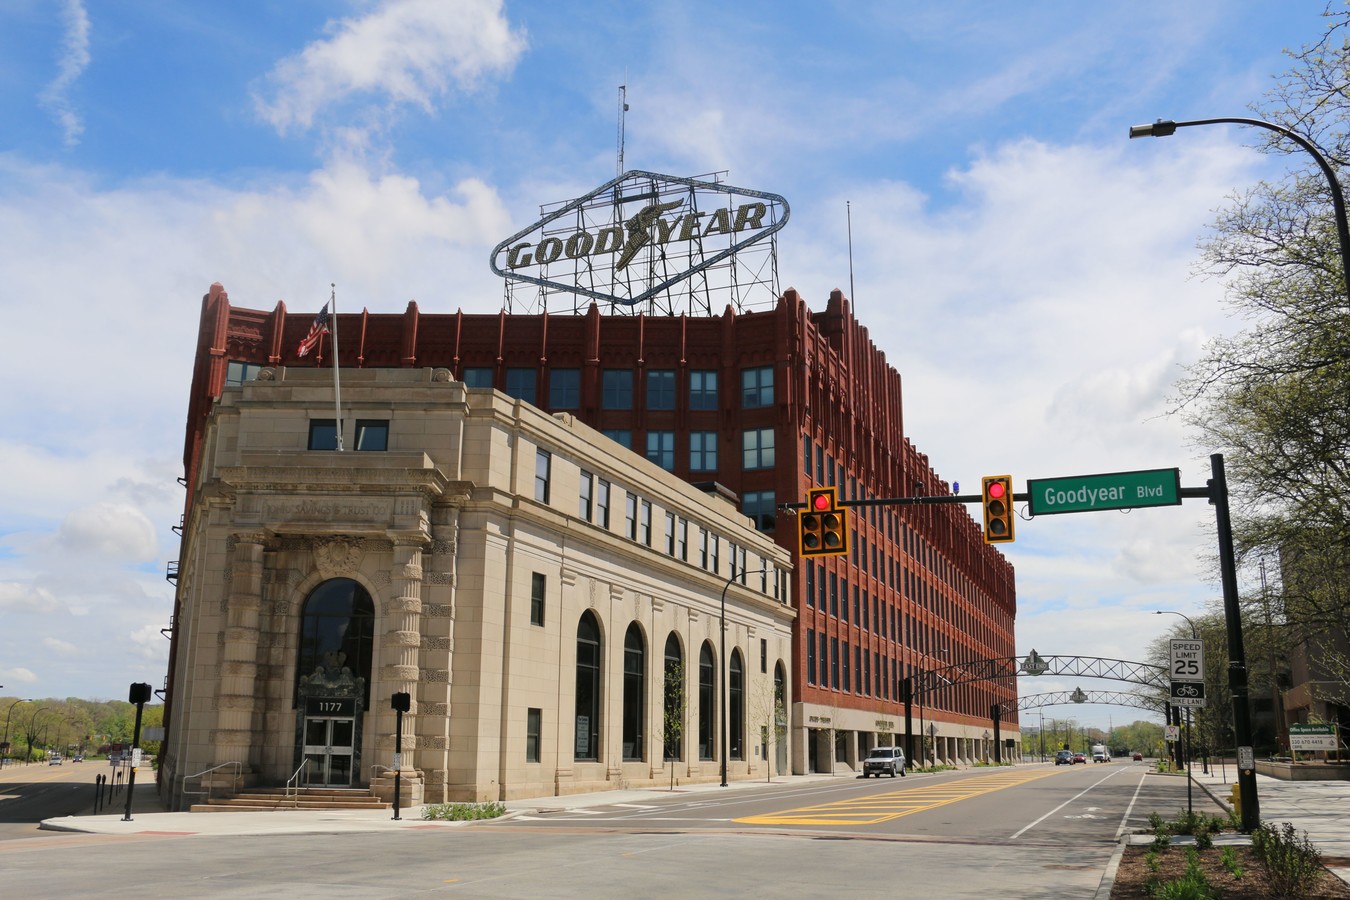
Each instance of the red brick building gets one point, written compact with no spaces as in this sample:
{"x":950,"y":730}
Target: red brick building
{"x":765,"y":404}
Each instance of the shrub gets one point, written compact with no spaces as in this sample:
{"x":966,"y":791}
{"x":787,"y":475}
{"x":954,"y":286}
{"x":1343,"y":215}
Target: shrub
{"x":1228,"y":857}
{"x":1191,"y":886}
{"x":1292,"y":863}
{"x":463,"y":812}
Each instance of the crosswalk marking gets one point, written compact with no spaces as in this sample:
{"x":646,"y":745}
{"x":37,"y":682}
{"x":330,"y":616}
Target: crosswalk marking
{"x":876,"y":808}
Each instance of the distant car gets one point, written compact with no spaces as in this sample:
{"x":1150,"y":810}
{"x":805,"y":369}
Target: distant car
{"x":884,"y":759}
{"x":54,"y":761}
{"x":1138,"y":756}
{"x":1063,"y":758}
{"x":77,"y":758}
{"x":1080,"y":758}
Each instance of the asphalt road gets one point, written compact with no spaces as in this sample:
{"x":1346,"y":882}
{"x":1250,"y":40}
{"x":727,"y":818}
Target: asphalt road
{"x":1027,"y":832}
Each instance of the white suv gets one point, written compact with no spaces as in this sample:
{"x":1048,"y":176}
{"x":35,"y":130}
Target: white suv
{"x":884,"y":759}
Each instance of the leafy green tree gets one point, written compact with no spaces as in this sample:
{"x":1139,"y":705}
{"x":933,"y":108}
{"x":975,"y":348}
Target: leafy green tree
{"x":1273,"y":397}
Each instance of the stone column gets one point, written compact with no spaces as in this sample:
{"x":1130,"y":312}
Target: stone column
{"x":233,"y":736}
{"x":402,"y":641}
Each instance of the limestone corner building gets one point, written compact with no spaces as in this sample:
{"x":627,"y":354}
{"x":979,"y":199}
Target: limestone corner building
{"x":525,"y":580}
{"x":529,"y":579}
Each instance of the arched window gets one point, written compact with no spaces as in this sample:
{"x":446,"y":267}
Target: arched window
{"x":736,"y":707}
{"x":634,"y":692}
{"x":674,"y":701}
{"x":707,"y":701}
{"x":337,"y":627}
{"x":587,"y":742}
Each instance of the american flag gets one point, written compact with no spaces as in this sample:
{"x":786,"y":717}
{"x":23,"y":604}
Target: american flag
{"x":320,"y":327}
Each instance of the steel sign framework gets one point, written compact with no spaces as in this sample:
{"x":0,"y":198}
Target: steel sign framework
{"x":645,"y":242}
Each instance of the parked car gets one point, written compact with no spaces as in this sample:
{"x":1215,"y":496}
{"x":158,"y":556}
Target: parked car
{"x":1063,"y":758}
{"x":884,"y":759}
{"x":1080,"y":758}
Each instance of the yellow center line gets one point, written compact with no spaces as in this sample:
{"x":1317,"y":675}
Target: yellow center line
{"x":876,"y":808}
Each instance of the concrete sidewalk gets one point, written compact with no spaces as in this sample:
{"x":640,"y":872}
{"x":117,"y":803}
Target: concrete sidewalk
{"x":148,"y":815}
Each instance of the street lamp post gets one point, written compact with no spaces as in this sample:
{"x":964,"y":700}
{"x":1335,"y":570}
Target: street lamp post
{"x":726,"y":669}
{"x":1194,"y":636}
{"x":1166,"y":128}
{"x":32,"y":726}
{"x":7,"y":715}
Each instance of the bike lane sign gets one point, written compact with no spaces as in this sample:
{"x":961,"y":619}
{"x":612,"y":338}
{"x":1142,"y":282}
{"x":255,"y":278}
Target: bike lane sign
{"x":1188,"y":693}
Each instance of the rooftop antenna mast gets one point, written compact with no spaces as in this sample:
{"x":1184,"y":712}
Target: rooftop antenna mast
{"x":623,"y":108}
{"x":848,"y":209}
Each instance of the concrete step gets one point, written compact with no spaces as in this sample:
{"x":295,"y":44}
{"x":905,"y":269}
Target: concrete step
{"x":269,"y":799}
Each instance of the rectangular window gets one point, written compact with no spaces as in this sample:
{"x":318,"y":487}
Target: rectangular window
{"x":670,"y":534}
{"x":810,"y":656}
{"x":237,"y":373}
{"x":762,"y":507}
{"x":602,"y":504}
{"x":372,"y":434}
{"x":621,"y":436}
{"x":703,"y":451}
{"x":564,"y":389}
{"x":763,"y":655}
{"x":477,"y":378}
{"x":834,"y":595}
{"x":538,"y":585}
{"x":521,"y":384}
{"x":616,"y":389}
{"x":682,"y":540}
{"x":533,"y":727}
{"x":757,"y":448}
{"x":322,"y":434}
{"x":834,"y":663}
{"x":848,"y":681}
{"x":661,"y":449}
{"x":703,"y":548}
{"x":716,"y":554}
{"x":757,"y":387}
{"x":543,"y":462}
{"x":810,"y":585}
{"x":661,"y":389}
{"x":806,"y":455}
{"x":630,"y":518}
{"x":703,"y":389}
{"x":586,"y":501}
{"x":645,"y":523}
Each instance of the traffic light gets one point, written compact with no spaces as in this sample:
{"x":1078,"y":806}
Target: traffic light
{"x":996,"y":497}
{"x":822,"y":528}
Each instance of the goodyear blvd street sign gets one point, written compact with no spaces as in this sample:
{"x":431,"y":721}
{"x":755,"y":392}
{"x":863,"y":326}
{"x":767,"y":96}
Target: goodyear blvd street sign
{"x":1114,"y":490}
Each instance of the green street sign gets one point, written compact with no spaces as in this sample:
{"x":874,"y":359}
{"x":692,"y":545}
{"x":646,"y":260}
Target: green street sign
{"x":1115,"y":490}
{"x":1312,"y":729}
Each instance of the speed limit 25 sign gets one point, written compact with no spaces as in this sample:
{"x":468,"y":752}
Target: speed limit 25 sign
{"x":1188,"y":660}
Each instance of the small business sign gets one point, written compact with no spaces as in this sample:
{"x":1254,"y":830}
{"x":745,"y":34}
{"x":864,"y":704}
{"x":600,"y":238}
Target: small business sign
{"x":1307,"y":738}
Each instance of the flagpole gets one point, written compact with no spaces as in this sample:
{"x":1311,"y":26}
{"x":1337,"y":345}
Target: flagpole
{"x":337,"y":387}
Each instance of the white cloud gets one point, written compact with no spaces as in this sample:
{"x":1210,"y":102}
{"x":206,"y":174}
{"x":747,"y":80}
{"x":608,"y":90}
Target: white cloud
{"x":149,"y":643}
{"x":109,"y":529}
{"x":18,"y":674}
{"x":63,"y":648}
{"x":19,"y":597}
{"x":407,"y":52}
{"x":71,"y":64}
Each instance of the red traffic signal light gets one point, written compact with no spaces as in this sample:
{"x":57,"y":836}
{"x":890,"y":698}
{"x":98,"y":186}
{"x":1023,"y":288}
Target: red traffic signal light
{"x":822,"y":528}
{"x":996,"y":497}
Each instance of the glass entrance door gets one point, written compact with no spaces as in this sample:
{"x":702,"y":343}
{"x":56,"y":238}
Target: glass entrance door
{"x":329,"y":746}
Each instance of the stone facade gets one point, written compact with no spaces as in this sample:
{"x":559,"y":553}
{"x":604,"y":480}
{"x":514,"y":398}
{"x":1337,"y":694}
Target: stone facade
{"x":474,"y":533}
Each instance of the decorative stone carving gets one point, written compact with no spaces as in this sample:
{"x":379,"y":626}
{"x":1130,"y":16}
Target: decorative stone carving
{"x":337,"y":557}
{"x":440,"y":376}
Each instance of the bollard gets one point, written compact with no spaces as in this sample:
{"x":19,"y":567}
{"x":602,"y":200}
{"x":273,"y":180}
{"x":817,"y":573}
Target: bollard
{"x":1236,"y":798}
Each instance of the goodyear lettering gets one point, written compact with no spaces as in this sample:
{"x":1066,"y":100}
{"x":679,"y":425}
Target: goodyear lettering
{"x":653,"y":228}
{"x":1083,"y":495}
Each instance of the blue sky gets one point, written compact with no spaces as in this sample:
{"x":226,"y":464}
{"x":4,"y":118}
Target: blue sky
{"x":1030,"y":272}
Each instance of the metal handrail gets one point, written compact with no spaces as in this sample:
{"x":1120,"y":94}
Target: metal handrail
{"x":292,"y":783}
{"x":238,"y":770}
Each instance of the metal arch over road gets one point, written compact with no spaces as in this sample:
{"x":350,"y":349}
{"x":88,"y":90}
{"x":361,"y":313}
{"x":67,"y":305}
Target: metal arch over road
{"x":1064,"y":698}
{"x":930,"y":680}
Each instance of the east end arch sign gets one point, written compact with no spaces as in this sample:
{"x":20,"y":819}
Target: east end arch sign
{"x":637,"y":236}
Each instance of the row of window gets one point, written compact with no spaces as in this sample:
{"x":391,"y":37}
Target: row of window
{"x":635,"y":742}
{"x":618,"y":387}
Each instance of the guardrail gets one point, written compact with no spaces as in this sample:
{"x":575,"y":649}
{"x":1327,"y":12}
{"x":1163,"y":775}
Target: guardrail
{"x":238,"y":771}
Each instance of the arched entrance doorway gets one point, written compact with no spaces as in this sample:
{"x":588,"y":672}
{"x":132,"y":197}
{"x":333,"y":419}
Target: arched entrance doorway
{"x":337,"y":625}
